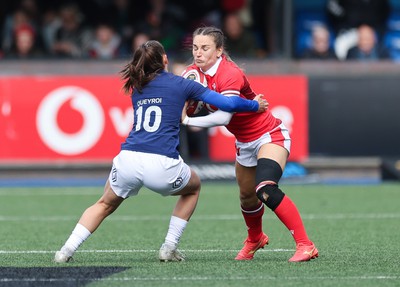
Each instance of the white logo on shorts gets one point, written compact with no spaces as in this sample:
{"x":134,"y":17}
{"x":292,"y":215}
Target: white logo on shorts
{"x":178,"y":182}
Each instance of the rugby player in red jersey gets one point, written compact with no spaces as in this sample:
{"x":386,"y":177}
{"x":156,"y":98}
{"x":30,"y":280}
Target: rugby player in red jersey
{"x":262,"y":145}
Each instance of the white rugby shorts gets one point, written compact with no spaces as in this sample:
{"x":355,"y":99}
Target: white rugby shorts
{"x":132,"y":170}
{"x":246,"y":153}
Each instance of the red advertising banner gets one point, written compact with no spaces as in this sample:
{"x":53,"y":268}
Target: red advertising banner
{"x":288,"y":100}
{"x":62,"y":118}
{"x":86,"y":118}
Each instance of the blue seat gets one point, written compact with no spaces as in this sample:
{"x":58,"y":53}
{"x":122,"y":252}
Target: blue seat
{"x":303,"y":41}
{"x":391,"y":40}
{"x":393,"y":22}
{"x":305,"y":20}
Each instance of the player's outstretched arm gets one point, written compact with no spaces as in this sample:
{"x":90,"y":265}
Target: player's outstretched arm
{"x":218,"y":118}
{"x":234,"y":103}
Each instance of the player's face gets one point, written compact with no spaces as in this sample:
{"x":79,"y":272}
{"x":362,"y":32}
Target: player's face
{"x":205,"y":52}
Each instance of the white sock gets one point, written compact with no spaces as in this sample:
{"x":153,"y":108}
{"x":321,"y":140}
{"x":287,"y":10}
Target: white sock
{"x":77,"y":237}
{"x":175,"y":230}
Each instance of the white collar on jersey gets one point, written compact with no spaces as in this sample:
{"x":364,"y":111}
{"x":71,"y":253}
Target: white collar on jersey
{"x":213,"y":70}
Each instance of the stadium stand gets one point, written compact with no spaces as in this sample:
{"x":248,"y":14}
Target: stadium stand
{"x":307,"y":14}
{"x":392,"y":36}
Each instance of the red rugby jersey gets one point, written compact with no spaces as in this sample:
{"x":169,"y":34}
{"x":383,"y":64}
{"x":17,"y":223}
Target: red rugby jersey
{"x":226,"y":77}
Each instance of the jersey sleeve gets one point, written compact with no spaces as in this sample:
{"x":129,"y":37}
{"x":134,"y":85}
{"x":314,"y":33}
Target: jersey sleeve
{"x":229,"y":104}
{"x":198,"y":92}
{"x":219,"y":118}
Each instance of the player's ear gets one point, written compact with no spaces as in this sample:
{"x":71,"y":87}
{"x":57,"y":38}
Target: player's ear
{"x":165,"y":59}
{"x":219,"y":52}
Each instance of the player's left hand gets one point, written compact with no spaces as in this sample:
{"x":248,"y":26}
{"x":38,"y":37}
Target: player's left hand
{"x":262,"y":103}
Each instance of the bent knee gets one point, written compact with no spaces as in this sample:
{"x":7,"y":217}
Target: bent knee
{"x":247,"y":194}
{"x":109,"y":203}
{"x":270,"y":195}
{"x":107,"y":207}
{"x":268,"y":174}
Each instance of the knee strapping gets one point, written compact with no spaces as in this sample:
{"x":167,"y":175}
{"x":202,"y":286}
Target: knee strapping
{"x":268,"y":174}
{"x":270,"y":195}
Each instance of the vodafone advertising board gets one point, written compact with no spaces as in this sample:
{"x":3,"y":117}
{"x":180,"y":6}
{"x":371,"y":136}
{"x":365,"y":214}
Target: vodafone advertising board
{"x":86,"y":118}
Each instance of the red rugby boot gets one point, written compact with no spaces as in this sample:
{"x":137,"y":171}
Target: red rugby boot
{"x":249,"y":248}
{"x":304,"y":253}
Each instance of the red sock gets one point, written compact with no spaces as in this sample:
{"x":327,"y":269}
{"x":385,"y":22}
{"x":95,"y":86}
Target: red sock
{"x":253,"y":219}
{"x":289,"y":215}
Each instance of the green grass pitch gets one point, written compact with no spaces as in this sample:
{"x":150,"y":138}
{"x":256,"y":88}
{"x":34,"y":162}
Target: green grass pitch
{"x":356,"y":229}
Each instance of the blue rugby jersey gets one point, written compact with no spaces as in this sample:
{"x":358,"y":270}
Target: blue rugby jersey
{"x":157,"y":112}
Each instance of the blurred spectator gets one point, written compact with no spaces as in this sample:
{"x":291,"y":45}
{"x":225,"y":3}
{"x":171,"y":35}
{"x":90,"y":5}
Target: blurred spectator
{"x":51,"y":22}
{"x":346,"y":15}
{"x":321,"y":48}
{"x":25,"y":12}
{"x":25,"y":44}
{"x":120,"y":14}
{"x":106,"y":43}
{"x":71,"y":39}
{"x":368,"y":48}
{"x":12,"y":22}
{"x":138,"y":40}
{"x":239,"y":41}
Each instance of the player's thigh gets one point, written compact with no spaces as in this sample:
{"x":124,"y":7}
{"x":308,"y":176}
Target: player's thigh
{"x":193,"y":185}
{"x":245,"y":177}
{"x":274,"y":152}
{"x":109,"y":197}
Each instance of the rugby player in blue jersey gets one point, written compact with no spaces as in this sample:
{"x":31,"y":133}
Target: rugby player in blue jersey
{"x":150,"y":155}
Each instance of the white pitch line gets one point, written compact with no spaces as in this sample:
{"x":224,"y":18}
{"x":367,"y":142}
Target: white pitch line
{"x":138,"y":251}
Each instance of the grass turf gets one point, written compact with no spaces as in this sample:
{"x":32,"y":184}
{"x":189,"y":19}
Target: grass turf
{"x":356,"y":229}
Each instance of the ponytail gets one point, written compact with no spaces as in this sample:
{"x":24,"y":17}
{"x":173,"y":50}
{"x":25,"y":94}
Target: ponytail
{"x":146,"y":63}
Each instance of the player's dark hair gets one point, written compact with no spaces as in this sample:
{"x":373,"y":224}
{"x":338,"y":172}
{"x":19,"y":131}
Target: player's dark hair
{"x":216,"y":34}
{"x":146,"y":63}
